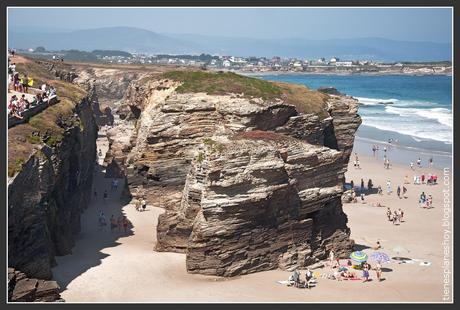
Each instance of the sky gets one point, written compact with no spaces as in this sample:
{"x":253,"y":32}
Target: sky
{"x":404,"y":24}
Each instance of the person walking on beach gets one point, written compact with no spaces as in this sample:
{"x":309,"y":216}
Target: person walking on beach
{"x":388,"y":187}
{"x":401,"y":215}
{"x":379,"y":190}
{"x":412,"y":165}
{"x":422,"y":198}
{"x":369,"y":185}
{"x":404,"y":191}
{"x":357,"y":165}
{"x":113,"y":223}
{"x":389,"y":214}
{"x":398,"y":192}
{"x":430,"y":161}
{"x":125,"y":224}
{"x":119,"y":223}
{"x":385,"y":150}
{"x":352,"y":184}
{"x":362,"y":198}
{"x":373,"y":150}
{"x":419,"y":162}
{"x":422,"y":177}
{"x":378,"y":271}
{"x":362,"y":185}
{"x":106,"y":196}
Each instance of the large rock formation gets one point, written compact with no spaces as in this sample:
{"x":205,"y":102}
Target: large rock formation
{"x":23,"y":289}
{"x":247,"y":184}
{"x":46,"y":197}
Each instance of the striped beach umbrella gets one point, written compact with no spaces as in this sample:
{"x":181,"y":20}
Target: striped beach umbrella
{"x":358,"y":256}
{"x":380,"y":257}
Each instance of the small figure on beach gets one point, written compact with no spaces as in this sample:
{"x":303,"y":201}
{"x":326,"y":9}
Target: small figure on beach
{"x":357,"y":165}
{"x":430,"y":161}
{"x":422,"y":198}
{"x":404,"y":191}
{"x":362,"y":185}
{"x":362,"y":198}
{"x":137,"y":204}
{"x":388,"y":187}
{"x":419,"y":162}
{"x":331,"y":257}
{"x":398,"y":192}
{"x":365,"y":272}
{"x":374,"y":148}
{"x":370,"y":185}
{"x":125,"y":224}
{"x":113,"y":223}
{"x":378,"y":271}
{"x":100,"y":153}
{"x":389,"y":214}
{"x":422,"y":177}
{"x":401,"y":215}
{"x":119,"y":223}
{"x":385,"y":149}
{"x":379,"y":190}
{"x":406,"y":179}
{"x":412,"y":165}
{"x":352,"y":184}
{"x":377,"y":246}
{"x":144,"y":204}
{"x":102,"y":221}
{"x":106,"y":196}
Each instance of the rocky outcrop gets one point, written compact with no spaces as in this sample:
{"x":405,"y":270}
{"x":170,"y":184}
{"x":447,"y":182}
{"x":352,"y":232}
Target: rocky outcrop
{"x":46,"y":198}
{"x":247,"y":184}
{"x":23,"y":289}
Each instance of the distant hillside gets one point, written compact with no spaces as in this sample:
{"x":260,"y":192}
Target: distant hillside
{"x":139,"y":40}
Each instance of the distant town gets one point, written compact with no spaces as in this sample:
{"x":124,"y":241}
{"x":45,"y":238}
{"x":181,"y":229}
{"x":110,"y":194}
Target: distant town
{"x":253,"y":64}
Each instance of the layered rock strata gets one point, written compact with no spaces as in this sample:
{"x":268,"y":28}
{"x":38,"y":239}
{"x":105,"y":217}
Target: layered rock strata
{"x":46,"y":198}
{"x":23,"y":289}
{"x":246,"y":184}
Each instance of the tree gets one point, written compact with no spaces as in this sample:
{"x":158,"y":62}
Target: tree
{"x":40,"y":49}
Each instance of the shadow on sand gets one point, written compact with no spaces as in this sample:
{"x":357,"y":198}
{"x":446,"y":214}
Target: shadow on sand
{"x":93,"y":238}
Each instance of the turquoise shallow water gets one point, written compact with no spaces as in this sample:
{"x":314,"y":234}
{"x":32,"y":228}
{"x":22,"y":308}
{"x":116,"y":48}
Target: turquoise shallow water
{"x":417,"y":113}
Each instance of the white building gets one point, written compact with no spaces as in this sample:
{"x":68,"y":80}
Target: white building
{"x":226,"y":63}
{"x":343,"y":63}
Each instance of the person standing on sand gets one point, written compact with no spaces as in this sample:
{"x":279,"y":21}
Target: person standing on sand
{"x":398,"y":192}
{"x":362,"y":185}
{"x":401,"y":215}
{"x":422,"y":198}
{"x":113,"y":223}
{"x":419,"y":162}
{"x":378,"y":271}
{"x":369,"y":185}
{"x":365,"y":272}
{"x":389,"y":214}
{"x":125,"y":224}
{"x":430,"y":161}
{"x":404,"y":191}
{"x":362,"y":198}
{"x":352,"y":184}
{"x":379,"y":190}
{"x":331,"y":257}
{"x":422,"y":177}
{"x":106,"y":196}
{"x":412,"y":165}
{"x":119,"y":223}
{"x":373,"y":150}
{"x":388,"y":187}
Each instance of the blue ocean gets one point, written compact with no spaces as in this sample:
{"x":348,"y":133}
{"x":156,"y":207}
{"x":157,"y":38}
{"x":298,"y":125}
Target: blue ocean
{"x":418,"y":113}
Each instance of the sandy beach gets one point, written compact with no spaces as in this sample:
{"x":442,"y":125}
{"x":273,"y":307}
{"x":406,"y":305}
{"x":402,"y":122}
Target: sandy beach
{"x":123,"y":267}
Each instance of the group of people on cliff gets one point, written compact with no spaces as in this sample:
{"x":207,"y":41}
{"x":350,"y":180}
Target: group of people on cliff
{"x":17,"y":106}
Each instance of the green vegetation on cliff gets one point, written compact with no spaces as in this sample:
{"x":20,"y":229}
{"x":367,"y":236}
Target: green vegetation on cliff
{"x":220,"y":83}
{"x":23,"y":139}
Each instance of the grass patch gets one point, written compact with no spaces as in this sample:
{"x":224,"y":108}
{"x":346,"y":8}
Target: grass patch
{"x":223,"y":83}
{"x":214,"y":146}
{"x":304,"y":99}
{"x":34,"y":139}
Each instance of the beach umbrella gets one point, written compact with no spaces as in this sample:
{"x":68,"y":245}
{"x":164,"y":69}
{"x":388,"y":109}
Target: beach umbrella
{"x":400,"y":249}
{"x":380,"y":257}
{"x":358,"y":256}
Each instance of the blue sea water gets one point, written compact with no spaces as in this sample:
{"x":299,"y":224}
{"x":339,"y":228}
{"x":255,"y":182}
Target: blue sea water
{"x":420,"y":115}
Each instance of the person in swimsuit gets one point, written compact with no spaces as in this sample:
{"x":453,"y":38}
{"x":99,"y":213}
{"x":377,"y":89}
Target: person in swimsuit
{"x":378,"y":271}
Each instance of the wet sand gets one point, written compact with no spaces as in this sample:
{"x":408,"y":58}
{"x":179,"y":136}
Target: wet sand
{"x":122,"y":267}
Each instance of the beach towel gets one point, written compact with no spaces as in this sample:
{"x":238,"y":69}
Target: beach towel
{"x":284,"y":282}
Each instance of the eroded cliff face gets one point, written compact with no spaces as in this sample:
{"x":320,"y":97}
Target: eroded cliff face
{"x":46,"y":197}
{"x":246,"y":184}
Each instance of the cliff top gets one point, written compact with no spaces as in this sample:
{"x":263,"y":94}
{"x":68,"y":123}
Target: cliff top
{"x":220,"y":83}
{"x":23,"y":139}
